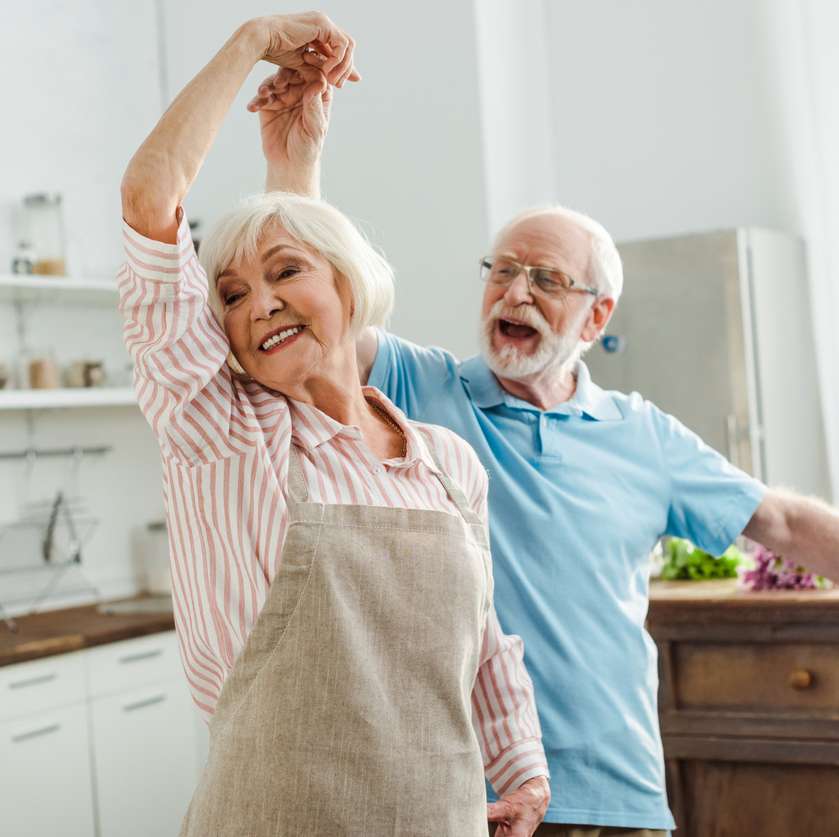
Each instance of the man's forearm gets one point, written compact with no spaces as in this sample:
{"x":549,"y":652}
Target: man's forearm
{"x":801,"y":529}
{"x":305,"y":181}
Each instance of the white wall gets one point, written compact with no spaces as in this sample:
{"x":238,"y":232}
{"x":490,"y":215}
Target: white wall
{"x":515,"y":87}
{"x":678,"y":116}
{"x":80,"y":90}
{"x":404,"y":152}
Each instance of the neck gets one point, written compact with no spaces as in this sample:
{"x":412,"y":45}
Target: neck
{"x":335,"y":389}
{"x":544,"y":389}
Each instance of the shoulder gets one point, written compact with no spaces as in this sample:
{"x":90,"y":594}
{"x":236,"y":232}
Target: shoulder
{"x":398,"y":352}
{"x":454,"y":454}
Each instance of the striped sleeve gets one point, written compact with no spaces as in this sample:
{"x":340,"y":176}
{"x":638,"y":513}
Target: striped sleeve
{"x":504,"y":709}
{"x":183,"y":384}
{"x":503,"y":700}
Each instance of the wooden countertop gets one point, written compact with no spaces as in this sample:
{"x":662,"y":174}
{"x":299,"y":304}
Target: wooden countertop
{"x":675,"y":601}
{"x":74,"y":628}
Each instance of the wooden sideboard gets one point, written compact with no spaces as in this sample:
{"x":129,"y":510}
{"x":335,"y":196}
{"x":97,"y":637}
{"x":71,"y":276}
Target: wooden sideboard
{"x":749,"y":708}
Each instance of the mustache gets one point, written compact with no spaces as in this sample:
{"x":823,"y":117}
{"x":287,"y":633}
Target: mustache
{"x":526,"y":314}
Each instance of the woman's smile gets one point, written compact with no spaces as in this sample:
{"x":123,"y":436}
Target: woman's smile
{"x":280,"y":338}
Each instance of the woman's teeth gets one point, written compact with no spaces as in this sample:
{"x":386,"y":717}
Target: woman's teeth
{"x":279,"y":338}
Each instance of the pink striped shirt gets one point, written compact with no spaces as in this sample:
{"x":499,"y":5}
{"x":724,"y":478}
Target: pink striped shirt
{"x":225,"y":451}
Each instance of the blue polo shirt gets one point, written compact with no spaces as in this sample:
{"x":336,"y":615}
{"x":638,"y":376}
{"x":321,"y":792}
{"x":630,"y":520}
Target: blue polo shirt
{"x":579,"y":495}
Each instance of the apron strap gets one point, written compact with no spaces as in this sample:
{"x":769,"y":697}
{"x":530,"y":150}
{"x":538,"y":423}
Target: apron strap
{"x":456,"y":495}
{"x":297,"y":490}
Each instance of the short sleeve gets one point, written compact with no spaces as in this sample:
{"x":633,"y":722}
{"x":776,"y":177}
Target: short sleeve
{"x":410,"y":375}
{"x":711,"y":501}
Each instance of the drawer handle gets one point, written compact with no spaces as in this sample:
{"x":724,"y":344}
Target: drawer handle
{"x":801,"y":679}
{"x":141,"y":704}
{"x":141,"y":655}
{"x":36,"y":733}
{"x":33,"y":681}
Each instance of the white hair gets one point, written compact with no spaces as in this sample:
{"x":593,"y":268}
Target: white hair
{"x":605,"y":268}
{"x":320,"y":226}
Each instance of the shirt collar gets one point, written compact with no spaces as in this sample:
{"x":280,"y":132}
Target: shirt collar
{"x":588,"y":399}
{"x":311,"y":427}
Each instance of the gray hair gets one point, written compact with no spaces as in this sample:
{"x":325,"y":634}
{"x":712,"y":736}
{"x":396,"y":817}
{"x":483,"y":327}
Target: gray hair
{"x":319,"y":225}
{"x":605,"y":268}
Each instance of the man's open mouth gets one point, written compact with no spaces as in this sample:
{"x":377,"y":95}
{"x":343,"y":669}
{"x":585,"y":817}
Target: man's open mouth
{"x":518,"y":331}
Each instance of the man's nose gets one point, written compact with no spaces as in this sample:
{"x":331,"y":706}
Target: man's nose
{"x":518,"y":291}
{"x":264,"y":302}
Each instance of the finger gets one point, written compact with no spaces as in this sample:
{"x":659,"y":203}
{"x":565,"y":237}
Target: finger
{"x":316,"y":54}
{"x":257,"y":103}
{"x":314,"y":116}
{"x":326,"y":99}
{"x":344,"y":66}
{"x":335,"y":66}
{"x":500,"y":811}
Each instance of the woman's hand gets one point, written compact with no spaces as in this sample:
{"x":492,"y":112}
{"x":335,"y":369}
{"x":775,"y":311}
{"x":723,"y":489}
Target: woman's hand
{"x":310,"y":39}
{"x":293,"y":107}
{"x":519,"y":812}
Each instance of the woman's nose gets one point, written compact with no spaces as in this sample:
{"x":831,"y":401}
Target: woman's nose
{"x":264,"y":302}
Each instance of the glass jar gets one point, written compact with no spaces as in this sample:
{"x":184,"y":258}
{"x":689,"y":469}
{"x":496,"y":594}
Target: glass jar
{"x":45,"y":230}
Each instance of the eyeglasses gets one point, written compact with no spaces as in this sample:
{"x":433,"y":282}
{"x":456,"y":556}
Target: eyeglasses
{"x":541,"y":280}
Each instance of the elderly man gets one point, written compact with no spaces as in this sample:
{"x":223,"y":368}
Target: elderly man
{"x":583,"y":483}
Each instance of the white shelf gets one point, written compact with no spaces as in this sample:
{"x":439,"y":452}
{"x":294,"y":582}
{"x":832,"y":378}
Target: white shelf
{"x":48,"y":399}
{"x":31,"y":288}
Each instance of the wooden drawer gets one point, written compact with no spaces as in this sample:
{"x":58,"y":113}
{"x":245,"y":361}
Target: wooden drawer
{"x":136,"y":662}
{"x":41,"y":684}
{"x":787,"y":677}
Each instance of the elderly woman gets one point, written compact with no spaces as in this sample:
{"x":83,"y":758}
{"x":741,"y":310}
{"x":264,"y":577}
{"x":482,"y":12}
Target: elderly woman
{"x":330,"y":566}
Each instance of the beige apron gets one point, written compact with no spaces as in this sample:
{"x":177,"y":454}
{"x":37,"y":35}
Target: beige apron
{"x":348,"y":711}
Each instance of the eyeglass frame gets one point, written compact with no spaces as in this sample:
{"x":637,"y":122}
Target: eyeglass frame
{"x":487,"y":262}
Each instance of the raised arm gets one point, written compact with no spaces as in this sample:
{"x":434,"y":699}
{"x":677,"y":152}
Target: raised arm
{"x":160,"y":174}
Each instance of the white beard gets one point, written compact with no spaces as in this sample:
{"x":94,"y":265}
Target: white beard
{"x":553,"y":353}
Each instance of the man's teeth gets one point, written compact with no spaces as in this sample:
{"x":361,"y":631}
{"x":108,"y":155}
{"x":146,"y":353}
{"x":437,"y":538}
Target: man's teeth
{"x":278,"y":338}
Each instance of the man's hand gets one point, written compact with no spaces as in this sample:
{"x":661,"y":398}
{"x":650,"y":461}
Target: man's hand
{"x":293,"y":107}
{"x":519,"y":813}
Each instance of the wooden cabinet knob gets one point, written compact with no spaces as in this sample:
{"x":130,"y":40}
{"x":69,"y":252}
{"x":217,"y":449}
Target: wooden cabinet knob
{"x":801,"y":679}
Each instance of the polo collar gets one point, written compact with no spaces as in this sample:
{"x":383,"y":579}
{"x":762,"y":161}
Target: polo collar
{"x":588,"y":399}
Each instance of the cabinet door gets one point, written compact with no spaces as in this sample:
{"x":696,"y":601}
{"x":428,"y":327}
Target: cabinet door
{"x":45,"y":782}
{"x":145,"y":757}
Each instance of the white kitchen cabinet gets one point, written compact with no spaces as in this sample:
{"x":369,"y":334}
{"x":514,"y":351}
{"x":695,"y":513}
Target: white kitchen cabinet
{"x":45,"y":781}
{"x":144,"y":753}
{"x":99,"y":743}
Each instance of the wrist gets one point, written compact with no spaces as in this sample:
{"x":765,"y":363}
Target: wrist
{"x":540,"y":787}
{"x":252,"y":37}
{"x":305,"y":181}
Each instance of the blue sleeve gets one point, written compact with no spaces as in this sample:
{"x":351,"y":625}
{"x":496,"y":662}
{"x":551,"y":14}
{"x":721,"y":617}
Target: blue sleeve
{"x":410,"y":375}
{"x":711,"y":501}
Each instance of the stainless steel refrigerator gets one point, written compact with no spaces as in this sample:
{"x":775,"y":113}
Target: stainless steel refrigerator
{"x":715,"y":328}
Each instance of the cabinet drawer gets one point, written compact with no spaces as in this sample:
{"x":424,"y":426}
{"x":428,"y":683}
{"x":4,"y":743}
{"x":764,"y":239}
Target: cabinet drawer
{"x":757,"y":676}
{"x":45,"y":777}
{"x":41,"y":684}
{"x":144,"y":749}
{"x":135,"y":662}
